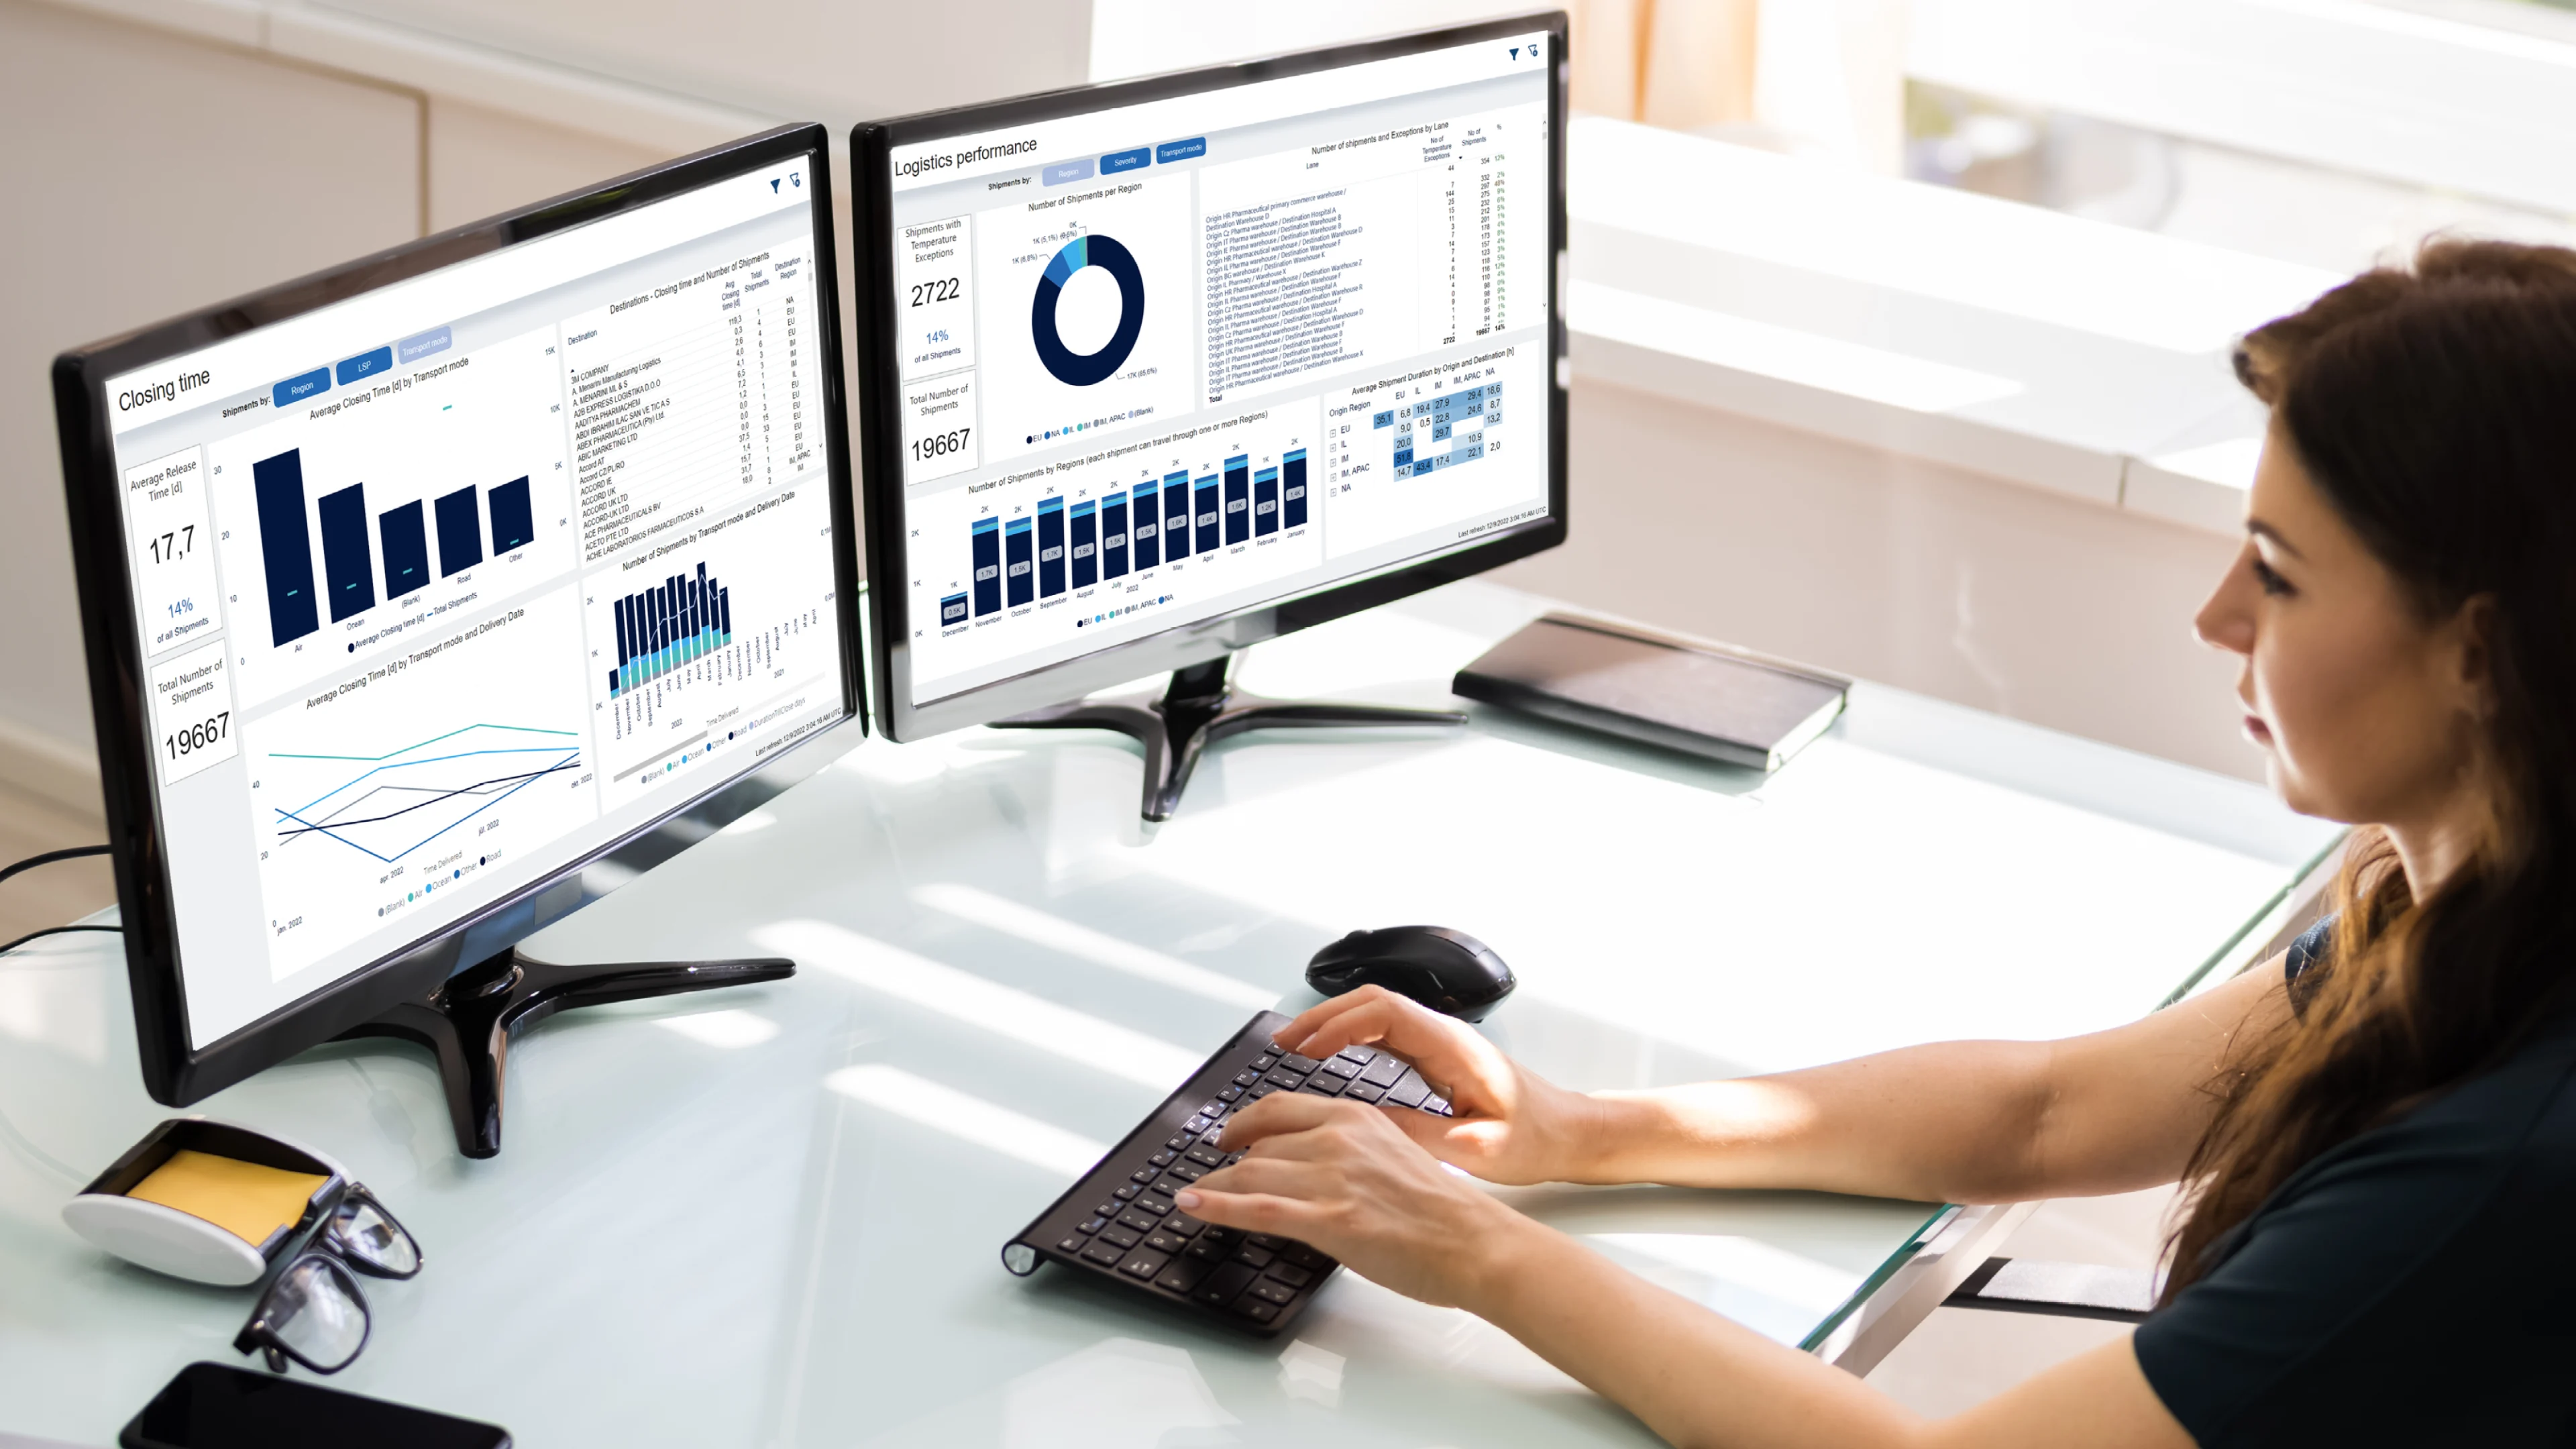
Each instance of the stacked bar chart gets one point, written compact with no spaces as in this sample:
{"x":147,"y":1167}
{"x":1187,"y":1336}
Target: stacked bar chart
{"x":1238,"y":501}
{"x":684,"y":617}
{"x":1083,"y":537}
{"x":1050,"y":547}
{"x":1265,"y":501}
{"x":1292,"y":489}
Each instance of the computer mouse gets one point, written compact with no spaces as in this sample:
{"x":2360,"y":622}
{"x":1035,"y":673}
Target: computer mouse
{"x":1449,"y":971}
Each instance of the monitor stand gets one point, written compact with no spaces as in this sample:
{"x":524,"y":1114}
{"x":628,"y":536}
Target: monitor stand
{"x":1198,"y":709}
{"x":466,"y":1022}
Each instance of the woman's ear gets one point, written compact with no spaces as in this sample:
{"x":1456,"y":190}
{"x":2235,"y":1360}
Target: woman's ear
{"x":2473,"y":631}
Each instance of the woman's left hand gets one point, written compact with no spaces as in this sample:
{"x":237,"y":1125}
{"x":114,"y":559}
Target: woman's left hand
{"x":1339,"y":1176}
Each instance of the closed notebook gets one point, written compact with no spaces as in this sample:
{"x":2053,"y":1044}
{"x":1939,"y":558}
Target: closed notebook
{"x":1658,"y":689}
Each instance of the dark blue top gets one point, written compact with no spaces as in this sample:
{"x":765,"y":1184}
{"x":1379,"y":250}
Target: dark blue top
{"x":2414,"y":1285}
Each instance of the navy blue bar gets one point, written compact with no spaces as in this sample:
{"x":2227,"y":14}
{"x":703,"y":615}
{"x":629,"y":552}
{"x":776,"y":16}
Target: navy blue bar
{"x":1176,"y":517}
{"x":299,"y":387}
{"x":1238,"y":500}
{"x":365,"y":364}
{"x":988,"y":566}
{"x":1084,"y":536}
{"x":460,"y":532}
{"x":724,"y":612}
{"x":1145,"y":528}
{"x":348,"y":572}
{"x":1050,"y":547}
{"x":1117,"y":161}
{"x":514,"y":523}
{"x":1211,"y":534}
{"x":1019,"y":569}
{"x":1292,"y":490}
{"x":625,"y":641}
{"x":952,"y":611}
{"x":405,"y":535}
{"x":285,"y":547}
{"x":1189,"y":150}
{"x":1265,"y":501}
{"x":1113,"y":537}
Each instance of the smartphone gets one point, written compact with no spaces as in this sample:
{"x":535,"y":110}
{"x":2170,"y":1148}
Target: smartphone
{"x":218,"y":1406}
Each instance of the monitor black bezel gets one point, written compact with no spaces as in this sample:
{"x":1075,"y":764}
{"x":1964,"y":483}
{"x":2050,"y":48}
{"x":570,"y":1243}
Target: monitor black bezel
{"x":175,"y":1072}
{"x":881,"y":463}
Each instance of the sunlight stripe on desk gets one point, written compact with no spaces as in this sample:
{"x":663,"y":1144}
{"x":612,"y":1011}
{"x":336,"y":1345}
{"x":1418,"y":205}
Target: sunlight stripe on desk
{"x":968,"y":998}
{"x":1054,"y":933}
{"x":987,"y":1124}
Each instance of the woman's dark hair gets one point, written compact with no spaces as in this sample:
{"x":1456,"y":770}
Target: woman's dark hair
{"x":2435,"y":409}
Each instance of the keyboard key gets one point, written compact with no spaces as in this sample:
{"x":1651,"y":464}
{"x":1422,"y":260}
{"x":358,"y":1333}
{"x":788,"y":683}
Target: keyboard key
{"x":1069,"y":1245}
{"x":1266,"y":1240}
{"x":1305,"y":1257}
{"x":1166,"y":1157}
{"x":1296,"y":1063}
{"x":1144,"y":1174}
{"x":1232,"y":1158}
{"x":1207,"y":1250}
{"x":1277,"y":1050}
{"x":1267,"y":1060}
{"x":1223,"y":1237}
{"x":1256,"y":1310}
{"x":1360,"y":1054}
{"x":1120,"y":1238}
{"x":1272,"y":1291}
{"x":1409,"y":1090}
{"x":1162,"y":1242}
{"x":1093,"y":1226}
{"x":1127,"y":1193}
{"x":1190,"y":1133}
{"x":1438,"y":1105}
{"x":1155,"y":1205}
{"x":1386,"y":1071}
{"x":1282,"y":1080}
{"x":1105,"y":1210}
{"x":1171,"y":1186}
{"x":1182,"y":1224}
{"x":1286,"y":1272}
{"x":1183,"y":1275}
{"x":1257,"y":1257}
{"x":1144,"y":1264}
{"x":1211,"y":1109}
{"x":1246,"y":1078}
{"x":1256,"y":1093}
{"x":1221,"y":1286}
{"x":1206,"y":1156}
{"x":1106,"y":1255}
{"x":1137,"y":1221}
{"x":1181,"y":1140}
{"x":1343,"y":1067}
{"x":1324,"y":1084}
{"x":1183,"y":1171}
{"x":1230,"y":1094}
{"x":1362,"y":1092}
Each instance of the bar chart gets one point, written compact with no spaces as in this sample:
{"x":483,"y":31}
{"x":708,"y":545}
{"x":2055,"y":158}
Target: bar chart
{"x":681,"y":619}
{"x":356,"y":553}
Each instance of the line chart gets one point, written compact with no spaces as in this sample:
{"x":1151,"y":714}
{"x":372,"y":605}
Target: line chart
{"x":405,"y":799}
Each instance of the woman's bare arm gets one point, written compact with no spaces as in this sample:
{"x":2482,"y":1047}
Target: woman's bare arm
{"x":1983,"y":1121}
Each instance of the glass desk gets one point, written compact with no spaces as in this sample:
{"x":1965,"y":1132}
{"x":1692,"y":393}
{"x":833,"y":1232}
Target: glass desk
{"x":773,"y":1216}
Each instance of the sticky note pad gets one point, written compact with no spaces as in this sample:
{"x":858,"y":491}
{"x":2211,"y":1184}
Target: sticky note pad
{"x":242,"y":1198}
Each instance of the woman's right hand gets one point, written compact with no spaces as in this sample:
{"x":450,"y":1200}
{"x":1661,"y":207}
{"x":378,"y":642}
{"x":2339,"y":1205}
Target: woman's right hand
{"x":1511,"y":1125}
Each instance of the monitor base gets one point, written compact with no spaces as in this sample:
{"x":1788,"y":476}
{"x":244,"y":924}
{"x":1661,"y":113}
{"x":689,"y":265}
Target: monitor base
{"x":1199,"y":708}
{"x":466,"y":1022}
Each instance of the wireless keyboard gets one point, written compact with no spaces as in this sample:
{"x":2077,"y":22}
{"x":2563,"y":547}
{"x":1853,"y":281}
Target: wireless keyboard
{"x":1119,"y":1222}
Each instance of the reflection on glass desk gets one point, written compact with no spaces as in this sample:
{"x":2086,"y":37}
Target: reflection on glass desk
{"x":771,"y":1217}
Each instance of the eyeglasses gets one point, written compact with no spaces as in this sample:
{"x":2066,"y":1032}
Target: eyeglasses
{"x":313,"y":1312}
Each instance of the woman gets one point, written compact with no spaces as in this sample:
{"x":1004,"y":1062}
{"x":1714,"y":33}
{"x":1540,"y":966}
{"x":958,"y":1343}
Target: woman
{"x":2378,"y":1129}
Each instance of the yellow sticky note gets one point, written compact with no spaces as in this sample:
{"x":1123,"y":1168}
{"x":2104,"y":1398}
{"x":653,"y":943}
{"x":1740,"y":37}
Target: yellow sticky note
{"x":242,"y":1198}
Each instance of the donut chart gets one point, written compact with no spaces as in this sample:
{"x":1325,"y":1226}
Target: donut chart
{"x":1068,"y":367}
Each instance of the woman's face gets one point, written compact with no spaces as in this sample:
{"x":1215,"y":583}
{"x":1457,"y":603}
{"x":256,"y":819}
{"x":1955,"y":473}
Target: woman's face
{"x":2366,"y":709}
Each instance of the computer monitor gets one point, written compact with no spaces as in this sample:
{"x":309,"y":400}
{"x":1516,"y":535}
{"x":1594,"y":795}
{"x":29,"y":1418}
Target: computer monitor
{"x":1153,"y":371}
{"x":415,"y":587}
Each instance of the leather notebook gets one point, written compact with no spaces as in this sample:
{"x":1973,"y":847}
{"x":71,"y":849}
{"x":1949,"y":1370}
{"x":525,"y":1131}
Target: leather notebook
{"x":1684,"y":694}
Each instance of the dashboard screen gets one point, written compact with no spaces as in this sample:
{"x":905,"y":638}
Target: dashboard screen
{"x":1167,"y":361}
{"x":455,"y":582}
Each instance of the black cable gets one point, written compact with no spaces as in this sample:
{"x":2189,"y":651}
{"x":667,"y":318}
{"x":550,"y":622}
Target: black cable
{"x":48,"y":858}
{"x":51,"y":931}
